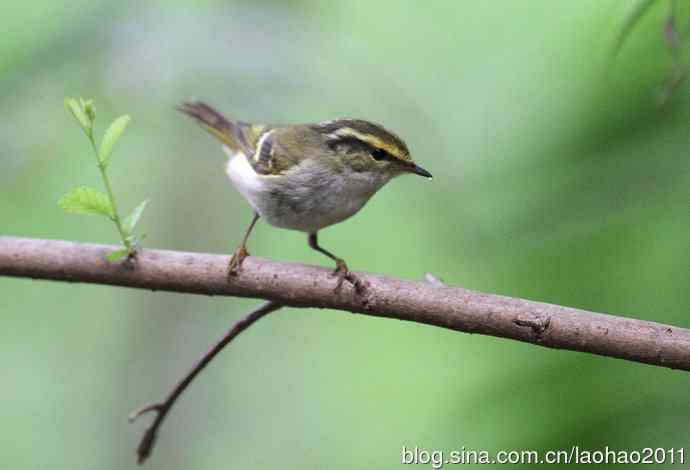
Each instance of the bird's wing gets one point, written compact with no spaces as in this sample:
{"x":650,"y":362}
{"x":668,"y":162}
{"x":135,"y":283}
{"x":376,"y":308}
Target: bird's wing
{"x":270,"y":150}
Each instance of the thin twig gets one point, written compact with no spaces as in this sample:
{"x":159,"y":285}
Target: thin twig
{"x":299,"y":285}
{"x":148,"y":440}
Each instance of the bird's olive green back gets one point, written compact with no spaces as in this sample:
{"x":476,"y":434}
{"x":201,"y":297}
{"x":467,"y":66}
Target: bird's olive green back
{"x":272,"y":150}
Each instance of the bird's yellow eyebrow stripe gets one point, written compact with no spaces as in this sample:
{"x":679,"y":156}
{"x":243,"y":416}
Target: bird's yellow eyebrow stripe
{"x":370,"y":139}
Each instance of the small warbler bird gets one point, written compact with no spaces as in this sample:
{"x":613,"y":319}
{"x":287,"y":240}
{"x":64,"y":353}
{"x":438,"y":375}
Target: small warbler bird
{"x":306,"y":177}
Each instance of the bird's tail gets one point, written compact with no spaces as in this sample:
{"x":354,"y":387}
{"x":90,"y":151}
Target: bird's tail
{"x":234,"y":134}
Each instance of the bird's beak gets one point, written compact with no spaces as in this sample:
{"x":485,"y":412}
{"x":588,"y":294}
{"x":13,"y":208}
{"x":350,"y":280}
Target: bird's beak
{"x":418,"y":170}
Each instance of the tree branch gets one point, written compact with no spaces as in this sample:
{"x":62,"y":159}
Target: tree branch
{"x":299,"y":285}
{"x":162,"y":408}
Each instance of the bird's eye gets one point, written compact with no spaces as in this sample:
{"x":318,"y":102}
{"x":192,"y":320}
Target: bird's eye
{"x":379,"y":154}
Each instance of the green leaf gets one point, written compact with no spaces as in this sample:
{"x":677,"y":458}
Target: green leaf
{"x":636,"y":11}
{"x":85,"y":200}
{"x":117,"y":255}
{"x":110,"y":138}
{"x":132,"y":219}
{"x":75,"y":109}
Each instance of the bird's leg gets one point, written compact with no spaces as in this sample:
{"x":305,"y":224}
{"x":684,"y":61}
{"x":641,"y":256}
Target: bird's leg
{"x":241,"y":252}
{"x":341,"y":269}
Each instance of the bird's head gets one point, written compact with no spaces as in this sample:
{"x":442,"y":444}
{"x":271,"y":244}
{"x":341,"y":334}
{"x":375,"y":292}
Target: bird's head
{"x":365,"y":146}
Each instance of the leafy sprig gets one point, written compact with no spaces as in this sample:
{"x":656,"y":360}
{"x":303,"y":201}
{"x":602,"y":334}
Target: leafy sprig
{"x":85,"y":200}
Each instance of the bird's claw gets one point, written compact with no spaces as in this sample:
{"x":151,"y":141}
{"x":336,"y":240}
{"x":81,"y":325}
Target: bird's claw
{"x":343,"y":273}
{"x":236,"y":261}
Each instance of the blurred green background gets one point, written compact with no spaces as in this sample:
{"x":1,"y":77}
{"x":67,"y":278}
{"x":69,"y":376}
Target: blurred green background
{"x":556,"y":179}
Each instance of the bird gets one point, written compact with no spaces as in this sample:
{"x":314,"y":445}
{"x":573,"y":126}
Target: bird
{"x":305,"y":177}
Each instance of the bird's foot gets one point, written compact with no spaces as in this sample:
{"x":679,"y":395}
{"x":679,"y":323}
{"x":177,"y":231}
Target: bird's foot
{"x":236,"y":261}
{"x":343,"y":273}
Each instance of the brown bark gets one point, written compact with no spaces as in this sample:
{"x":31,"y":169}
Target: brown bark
{"x":299,"y":285}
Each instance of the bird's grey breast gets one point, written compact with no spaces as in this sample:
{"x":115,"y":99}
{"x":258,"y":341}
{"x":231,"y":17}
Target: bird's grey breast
{"x":311,"y":195}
